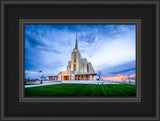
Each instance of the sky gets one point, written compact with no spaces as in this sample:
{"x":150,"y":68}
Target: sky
{"x":110,"y":48}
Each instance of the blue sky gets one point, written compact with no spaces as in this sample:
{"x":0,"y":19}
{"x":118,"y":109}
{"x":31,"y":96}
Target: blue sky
{"x":110,"y":48}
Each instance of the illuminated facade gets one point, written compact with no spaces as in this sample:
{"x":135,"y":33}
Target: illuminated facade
{"x":78,"y":68}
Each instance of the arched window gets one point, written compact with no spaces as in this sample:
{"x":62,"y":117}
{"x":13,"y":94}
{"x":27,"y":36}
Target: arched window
{"x":83,"y":67}
{"x":74,"y":57}
{"x":74,"y":67}
{"x":87,"y":68}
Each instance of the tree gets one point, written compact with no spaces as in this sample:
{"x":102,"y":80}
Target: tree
{"x":123,"y":79}
{"x":99,"y":75}
{"x":129,"y":78}
{"x":43,"y":77}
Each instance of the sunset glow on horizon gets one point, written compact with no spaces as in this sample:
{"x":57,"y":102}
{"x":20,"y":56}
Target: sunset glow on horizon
{"x":118,"y":77}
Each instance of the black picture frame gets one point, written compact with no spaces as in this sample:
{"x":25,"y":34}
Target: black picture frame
{"x":23,"y":22}
{"x":13,"y":107}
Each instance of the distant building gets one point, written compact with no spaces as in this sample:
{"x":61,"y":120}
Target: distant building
{"x":78,"y":68}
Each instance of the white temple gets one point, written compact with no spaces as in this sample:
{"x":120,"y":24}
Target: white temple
{"x":78,"y":68}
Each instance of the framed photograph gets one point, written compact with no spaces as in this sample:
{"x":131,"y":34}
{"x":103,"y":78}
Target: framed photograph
{"x":80,"y":60}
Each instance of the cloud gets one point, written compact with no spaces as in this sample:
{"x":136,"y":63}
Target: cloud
{"x":123,"y":71}
{"x":125,"y":68}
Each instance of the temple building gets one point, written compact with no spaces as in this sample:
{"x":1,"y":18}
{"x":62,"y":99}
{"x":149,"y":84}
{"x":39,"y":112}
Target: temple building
{"x":78,"y":68}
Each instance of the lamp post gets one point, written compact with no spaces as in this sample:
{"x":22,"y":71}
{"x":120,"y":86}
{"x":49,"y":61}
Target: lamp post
{"x":41,"y":77}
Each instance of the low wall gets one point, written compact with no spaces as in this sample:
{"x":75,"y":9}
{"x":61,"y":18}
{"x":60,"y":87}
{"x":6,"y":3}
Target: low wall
{"x":76,"y":82}
{"x":84,"y":82}
{"x":44,"y":82}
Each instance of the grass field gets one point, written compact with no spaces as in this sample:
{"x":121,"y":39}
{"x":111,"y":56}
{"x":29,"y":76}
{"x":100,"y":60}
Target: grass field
{"x":81,"y":90}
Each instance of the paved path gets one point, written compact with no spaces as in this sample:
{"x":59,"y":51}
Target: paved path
{"x":36,"y":85}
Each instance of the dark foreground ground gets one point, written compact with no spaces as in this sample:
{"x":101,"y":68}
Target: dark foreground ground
{"x":82,"y":90}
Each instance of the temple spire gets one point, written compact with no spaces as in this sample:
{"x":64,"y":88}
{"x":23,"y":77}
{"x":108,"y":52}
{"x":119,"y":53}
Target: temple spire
{"x":76,"y":45}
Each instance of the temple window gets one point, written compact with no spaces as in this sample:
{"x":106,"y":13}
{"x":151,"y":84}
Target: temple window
{"x":74,"y":67}
{"x":74,"y":57}
{"x":87,"y":68}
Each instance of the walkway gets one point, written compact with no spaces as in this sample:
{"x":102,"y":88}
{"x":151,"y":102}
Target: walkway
{"x":36,"y":85}
{"x":70,"y":82}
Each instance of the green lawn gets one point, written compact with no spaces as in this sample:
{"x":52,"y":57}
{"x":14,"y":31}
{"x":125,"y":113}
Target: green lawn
{"x":82,"y":90}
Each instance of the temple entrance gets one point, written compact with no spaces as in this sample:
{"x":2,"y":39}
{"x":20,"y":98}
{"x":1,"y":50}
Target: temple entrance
{"x":82,"y":77}
{"x":66,"y":78}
